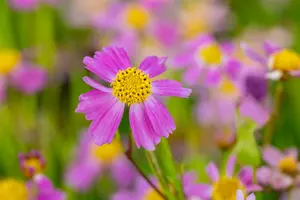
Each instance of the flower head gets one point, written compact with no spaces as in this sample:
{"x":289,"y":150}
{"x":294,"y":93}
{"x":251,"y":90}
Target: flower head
{"x":226,"y":186}
{"x":12,"y":189}
{"x":137,"y":16}
{"x":9,"y":60}
{"x":32,"y":163}
{"x":283,"y":166}
{"x":281,"y":63}
{"x":92,"y":160}
{"x":149,"y":119}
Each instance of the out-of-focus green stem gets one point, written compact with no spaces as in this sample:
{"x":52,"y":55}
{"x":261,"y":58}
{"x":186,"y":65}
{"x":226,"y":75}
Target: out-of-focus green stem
{"x":7,"y":34}
{"x":277,"y":102}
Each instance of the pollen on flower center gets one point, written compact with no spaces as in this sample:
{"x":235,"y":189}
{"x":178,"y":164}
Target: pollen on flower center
{"x":288,"y":164}
{"x":227,"y":87}
{"x":285,"y":60}
{"x":211,"y":54}
{"x":137,"y":16}
{"x":11,"y":189}
{"x":152,"y":195}
{"x":131,"y":86}
{"x":107,"y":152}
{"x":193,"y":28}
{"x":225,"y":188}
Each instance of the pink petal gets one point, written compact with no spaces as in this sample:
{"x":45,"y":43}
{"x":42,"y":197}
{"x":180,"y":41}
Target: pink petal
{"x":253,"y":188}
{"x":192,"y":75}
{"x":106,"y":64}
{"x":94,"y":102}
{"x":292,"y":152}
{"x":230,"y":165}
{"x":213,"y":76}
{"x":199,"y":190}
{"x":272,"y":156}
{"x":251,"y":108}
{"x":96,"y":85}
{"x":2,"y":89}
{"x":142,"y":130}
{"x":251,"y":197}
{"x":239,"y":195}
{"x":104,"y":127}
{"x":270,"y":48}
{"x":252,"y":54}
{"x":264,"y":175}
{"x":153,"y":65}
{"x":170,"y":88}
{"x":158,"y":117}
{"x":213,"y":172}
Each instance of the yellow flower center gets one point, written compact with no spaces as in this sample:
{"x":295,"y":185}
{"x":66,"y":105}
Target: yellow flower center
{"x":33,"y":163}
{"x":107,"y":152}
{"x":137,"y":16}
{"x":131,"y":86}
{"x":193,"y":28}
{"x":227,"y":87}
{"x":9,"y":58}
{"x":152,"y":195}
{"x":11,"y":189}
{"x":225,"y":188}
{"x":211,"y":54}
{"x":288,"y":164}
{"x":285,"y":60}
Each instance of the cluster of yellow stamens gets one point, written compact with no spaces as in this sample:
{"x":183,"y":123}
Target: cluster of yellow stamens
{"x":288,"y":164}
{"x":33,"y":163}
{"x":107,"y":152}
{"x":11,"y":189}
{"x":285,"y":61}
{"x":9,"y":58}
{"x":131,"y":86}
{"x":137,"y":16}
{"x":225,"y":188}
{"x":211,"y":54}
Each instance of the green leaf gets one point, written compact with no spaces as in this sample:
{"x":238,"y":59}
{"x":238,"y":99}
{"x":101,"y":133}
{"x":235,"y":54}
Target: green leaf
{"x":246,"y":148}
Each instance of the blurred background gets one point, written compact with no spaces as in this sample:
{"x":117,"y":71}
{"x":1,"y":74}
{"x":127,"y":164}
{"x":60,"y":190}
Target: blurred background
{"x":44,"y":42}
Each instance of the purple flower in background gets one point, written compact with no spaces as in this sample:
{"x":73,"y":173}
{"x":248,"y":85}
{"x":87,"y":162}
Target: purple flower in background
{"x":279,"y":63}
{"x":28,"y":78}
{"x":42,"y":189}
{"x":32,"y":163}
{"x":282,"y":168}
{"x":226,"y":186}
{"x":149,"y":119}
{"x":24,"y":5}
{"x":205,"y":58}
{"x":23,"y":76}
{"x":92,"y":161}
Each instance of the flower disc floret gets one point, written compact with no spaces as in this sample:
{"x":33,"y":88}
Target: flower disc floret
{"x":225,"y":188}
{"x":131,"y":86}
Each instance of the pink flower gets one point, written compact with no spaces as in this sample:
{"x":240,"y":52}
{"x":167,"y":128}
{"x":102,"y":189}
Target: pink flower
{"x":92,"y":161}
{"x":281,"y":170}
{"x":225,"y":185}
{"x":149,"y":119}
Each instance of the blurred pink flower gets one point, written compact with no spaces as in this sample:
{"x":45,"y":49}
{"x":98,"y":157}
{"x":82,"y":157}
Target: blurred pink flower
{"x":92,"y":161}
{"x":149,"y":119}
{"x":24,"y":4}
{"x":224,"y":185}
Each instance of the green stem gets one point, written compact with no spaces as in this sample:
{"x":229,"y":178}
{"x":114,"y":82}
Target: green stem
{"x":277,"y":102}
{"x":128,"y":154}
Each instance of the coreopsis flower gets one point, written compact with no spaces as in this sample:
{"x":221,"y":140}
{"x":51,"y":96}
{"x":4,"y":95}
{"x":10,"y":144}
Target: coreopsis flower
{"x":279,"y":62}
{"x":32,"y":163}
{"x":204,"y":58}
{"x":13,"y":189}
{"x":23,"y":76}
{"x":92,"y":161}
{"x":283,"y":166}
{"x":149,"y":119}
{"x":226,"y":186}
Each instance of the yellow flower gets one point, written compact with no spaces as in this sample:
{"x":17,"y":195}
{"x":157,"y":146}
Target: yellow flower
{"x":9,"y":58}
{"x":225,"y":188}
{"x":11,"y":189}
{"x":107,"y":152}
{"x":288,"y":164}
{"x":137,"y":16}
